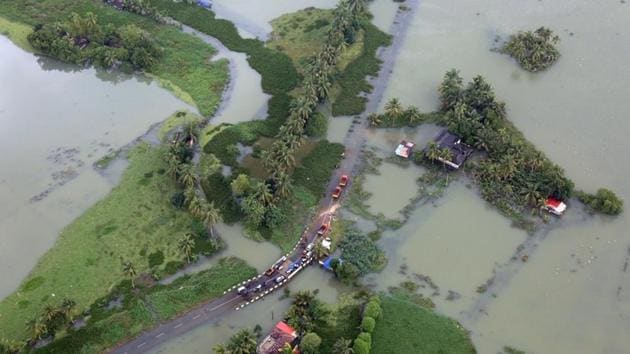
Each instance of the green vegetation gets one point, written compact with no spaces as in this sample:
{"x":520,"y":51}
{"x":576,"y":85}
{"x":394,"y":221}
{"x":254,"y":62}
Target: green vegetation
{"x":278,"y":74}
{"x":145,"y":306}
{"x":183,"y":64}
{"x":317,"y":126}
{"x":534,"y":50}
{"x":176,"y":120}
{"x":135,"y":220}
{"x":515,"y":176}
{"x":82,"y":40}
{"x":395,"y":116}
{"x":407,"y":328}
{"x":604,"y":201}
{"x":353,"y":80}
{"x":360,"y":251}
{"x":17,"y":33}
{"x":243,"y":342}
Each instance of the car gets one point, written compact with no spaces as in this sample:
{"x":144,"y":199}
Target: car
{"x":242,"y":290}
{"x":270,"y":271}
{"x":309,"y":254}
{"x":336,"y":193}
{"x":310,"y":247}
{"x":280,"y":279}
{"x":290,"y":270}
{"x":343,"y":181}
{"x":258,"y":288}
{"x":323,"y":229}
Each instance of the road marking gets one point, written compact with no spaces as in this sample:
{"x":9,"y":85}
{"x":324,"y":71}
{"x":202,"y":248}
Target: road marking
{"x":196,"y":317}
{"x":159,"y":335}
{"x":178,"y":325}
{"x":141,"y":345}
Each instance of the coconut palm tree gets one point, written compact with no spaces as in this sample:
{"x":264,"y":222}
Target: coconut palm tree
{"x":342,"y":346}
{"x":284,"y":187}
{"x":413,"y":115}
{"x":393,"y":108}
{"x":355,"y":6}
{"x":432,"y":152}
{"x":374,"y":119}
{"x":130,"y":271}
{"x":187,"y":175}
{"x":263,"y":193}
{"x":211,"y":217}
{"x":196,"y":207}
{"x":243,"y":342}
{"x":186,"y":246}
{"x":38,"y":329}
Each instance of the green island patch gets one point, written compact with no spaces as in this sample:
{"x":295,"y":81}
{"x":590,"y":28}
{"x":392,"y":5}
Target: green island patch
{"x":407,"y":328}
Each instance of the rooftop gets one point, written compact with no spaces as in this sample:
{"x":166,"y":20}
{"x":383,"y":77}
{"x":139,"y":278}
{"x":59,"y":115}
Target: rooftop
{"x":281,"y":334}
{"x":454,"y":143}
{"x":404,"y":149}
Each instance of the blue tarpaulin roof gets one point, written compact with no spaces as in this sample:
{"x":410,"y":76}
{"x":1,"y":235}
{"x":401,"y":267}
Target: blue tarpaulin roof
{"x":328,"y":261}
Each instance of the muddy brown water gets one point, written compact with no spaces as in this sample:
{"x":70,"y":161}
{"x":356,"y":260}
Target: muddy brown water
{"x":573,"y":293}
{"x":55,"y":122}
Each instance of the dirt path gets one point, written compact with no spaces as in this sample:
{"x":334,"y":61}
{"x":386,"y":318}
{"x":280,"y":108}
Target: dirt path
{"x":354,"y":142}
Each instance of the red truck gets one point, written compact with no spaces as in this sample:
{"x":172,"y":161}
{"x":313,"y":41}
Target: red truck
{"x":343,"y":181}
{"x":336,"y":193}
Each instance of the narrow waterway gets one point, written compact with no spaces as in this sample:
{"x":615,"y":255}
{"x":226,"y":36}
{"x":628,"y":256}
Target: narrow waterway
{"x":571,"y":295}
{"x":56,"y":120}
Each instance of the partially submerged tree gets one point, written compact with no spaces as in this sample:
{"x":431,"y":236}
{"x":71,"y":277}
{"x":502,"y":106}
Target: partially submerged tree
{"x":534,"y":50}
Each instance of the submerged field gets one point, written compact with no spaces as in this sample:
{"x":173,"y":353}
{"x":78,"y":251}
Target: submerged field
{"x":184,"y":68}
{"x":135,"y":223}
{"x":409,"y":328}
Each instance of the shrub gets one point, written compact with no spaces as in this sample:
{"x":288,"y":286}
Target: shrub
{"x":372,"y":309}
{"x":317,"y":126}
{"x":367,"y":324}
{"x":604,"y":201}
{"x":534,"y":50}
{"x":366,"y":337}
{"x":361,"y":347}
{"x":310,"y":343}
{"x":156,"y":259}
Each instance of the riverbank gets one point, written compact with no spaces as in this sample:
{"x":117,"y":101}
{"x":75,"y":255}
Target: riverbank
{"x":183,"y":68}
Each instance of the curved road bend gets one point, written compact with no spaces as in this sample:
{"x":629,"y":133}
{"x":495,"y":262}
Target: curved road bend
{"x":354,"y":142}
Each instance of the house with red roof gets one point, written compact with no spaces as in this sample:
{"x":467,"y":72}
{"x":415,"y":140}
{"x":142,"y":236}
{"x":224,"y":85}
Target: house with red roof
{"x":280,"y":335}
{"x":555,"y":206}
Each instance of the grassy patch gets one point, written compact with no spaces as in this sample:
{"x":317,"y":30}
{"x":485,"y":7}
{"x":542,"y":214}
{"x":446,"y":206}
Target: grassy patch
{"x":407,"y":328}
{"x":143,"y":308}
{"x":315,"y":169}
{"x":184,"y":66}
{"x":192,"y":289}
{"x":135,"y":220}
{"x":277,"y":71}
{"x":17,"y":33}
{"x":176,"y":120}
{"x":353,"y":80}
{"x":301,"y":34}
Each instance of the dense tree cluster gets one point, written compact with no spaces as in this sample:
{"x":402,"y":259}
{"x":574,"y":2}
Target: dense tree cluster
{"x":183,"y":170}
{"x":361,"y":255}
{"x":396,"y":116}
{"x":82,"y":40}
{"x":514,"y":175}
{"x":139,"y":7}
{"x":53,"y":319}
{"x":534,"y":50}
{"x":243,"y":342}
{"x":307,"y":313}
{"x":604,"y":201}
{"x":280,"y":158}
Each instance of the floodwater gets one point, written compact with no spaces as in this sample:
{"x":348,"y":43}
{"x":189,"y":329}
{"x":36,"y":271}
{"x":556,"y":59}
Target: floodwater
{"x":572,"y":295}
{"x":244,"y":99}
{"x":55,"y":122}
{"x":252,"y":18}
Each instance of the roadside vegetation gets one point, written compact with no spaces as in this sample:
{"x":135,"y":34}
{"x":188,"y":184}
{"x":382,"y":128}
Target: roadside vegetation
{"x":100,"y":34}
{"x":129,"y":310}
{"x":407,"y":328}
{"x":533,"y":50}
{"x":604,"y":201}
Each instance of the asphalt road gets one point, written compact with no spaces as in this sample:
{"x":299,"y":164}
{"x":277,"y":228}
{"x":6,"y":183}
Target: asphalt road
{"x":354,"y":142}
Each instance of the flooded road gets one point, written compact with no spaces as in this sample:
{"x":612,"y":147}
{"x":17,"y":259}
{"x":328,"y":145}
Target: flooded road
{"x":55,"y":122}
{"x":572,"y":293}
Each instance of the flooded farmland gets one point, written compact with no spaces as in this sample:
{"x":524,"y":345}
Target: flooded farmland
{"x":572,"y":294}
{"x":56,"y":129}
